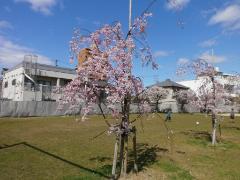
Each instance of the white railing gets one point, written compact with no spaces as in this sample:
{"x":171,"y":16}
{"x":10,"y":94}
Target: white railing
{"x":40,"y":87}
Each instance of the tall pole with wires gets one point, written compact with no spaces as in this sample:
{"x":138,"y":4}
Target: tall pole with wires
{"x":121,"y":144}
{"x":134,"y":128}
{"x":130,"y":15}
{"x":126,"y":111}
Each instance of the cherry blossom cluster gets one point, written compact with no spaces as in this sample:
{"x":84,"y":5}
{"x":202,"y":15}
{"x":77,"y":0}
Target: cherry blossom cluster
{"x":108,"y":71}
{"x":155,"y":93}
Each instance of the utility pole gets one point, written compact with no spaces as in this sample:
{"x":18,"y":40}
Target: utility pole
{"x":134,"y":138}
{"x":122,"y":139}
{"x":130,"y":15}
{"x":130,"y":23}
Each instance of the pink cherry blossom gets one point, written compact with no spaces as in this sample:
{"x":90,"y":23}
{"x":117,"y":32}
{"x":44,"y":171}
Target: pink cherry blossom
{"x":106,"y":76}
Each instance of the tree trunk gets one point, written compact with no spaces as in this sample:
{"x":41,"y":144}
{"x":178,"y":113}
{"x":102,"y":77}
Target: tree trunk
{"x":214,"y":117}
{"x":214,"y":128}
{"x":124,"y":143}
{"x":214,"y":136}
{"x":182,"y":107}
{"x":220,"y":129}
{"x":157,"y":108}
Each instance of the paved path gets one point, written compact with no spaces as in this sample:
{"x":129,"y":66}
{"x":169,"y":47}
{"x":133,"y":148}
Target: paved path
{"x":228,"y":114}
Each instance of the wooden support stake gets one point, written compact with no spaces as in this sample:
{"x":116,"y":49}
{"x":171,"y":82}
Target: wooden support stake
{"x":135,"y":150}
{"x":214,"y":132}
{"x":115,"y":158}
{"x":125,"y":162}
{"x":121,"y":153}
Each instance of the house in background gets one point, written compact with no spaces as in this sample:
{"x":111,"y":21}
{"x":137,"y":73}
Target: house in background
{"x":31,"y":81}
{"x":170,"y":101}
{"x":230,"y":82}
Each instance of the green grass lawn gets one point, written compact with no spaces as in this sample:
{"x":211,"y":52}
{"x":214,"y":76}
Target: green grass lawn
{"x":61,"y":148}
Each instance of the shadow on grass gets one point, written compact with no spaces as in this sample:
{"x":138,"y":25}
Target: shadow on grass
{"x":202,"y":138}
{"x":204,"y":135}
{"x":57,"y":157}
{"x":232,"y":127}
{"x":100,"y":159}
{"x":146,"y":156}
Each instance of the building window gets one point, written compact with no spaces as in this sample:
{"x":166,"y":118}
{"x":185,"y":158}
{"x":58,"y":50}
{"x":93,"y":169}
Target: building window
{"x":6,"y":84}
{"x":14,"y":82}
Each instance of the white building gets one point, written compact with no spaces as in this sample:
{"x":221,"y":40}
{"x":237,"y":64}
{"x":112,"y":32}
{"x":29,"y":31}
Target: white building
{"x":31,"y":81}
{"x":230,"y":82}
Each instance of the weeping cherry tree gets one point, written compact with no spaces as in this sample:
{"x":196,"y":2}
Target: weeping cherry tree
{"x":108,"y":70}
{"x":211,"y":92}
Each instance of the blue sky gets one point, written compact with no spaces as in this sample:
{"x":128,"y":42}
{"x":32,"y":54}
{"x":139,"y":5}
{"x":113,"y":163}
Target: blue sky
{"x":179,"y":31}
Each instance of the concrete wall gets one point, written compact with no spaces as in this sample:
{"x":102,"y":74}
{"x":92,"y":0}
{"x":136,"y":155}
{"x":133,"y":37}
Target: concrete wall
{"x":33,"y":108}
{"x":32,"y":96}
{"x":46,"y":108}
{"x":168,"y":104}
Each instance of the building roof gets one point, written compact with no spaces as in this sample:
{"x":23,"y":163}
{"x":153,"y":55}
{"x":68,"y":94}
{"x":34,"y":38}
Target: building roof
{"x":26,"y":64}
{"x":169,"y":83}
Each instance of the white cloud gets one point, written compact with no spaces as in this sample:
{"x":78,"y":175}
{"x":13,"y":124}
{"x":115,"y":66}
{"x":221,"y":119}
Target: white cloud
{"x":12,"y":53}
{"x":182,"y":61}
{"x":161,"y":54}
{"x":176,"y":4}
{"x":43,"y":6}
{"x":207,"y":56}
{"x":5,"y":25}
{"x":228,"y":17}
{"x":208,"y":43}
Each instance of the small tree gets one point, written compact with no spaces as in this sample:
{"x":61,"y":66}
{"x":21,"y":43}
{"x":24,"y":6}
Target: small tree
{"x":185,"y":97}
{"x":154,"y":95}
{"x":108,"y":69}
{"x":210,"y":93}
